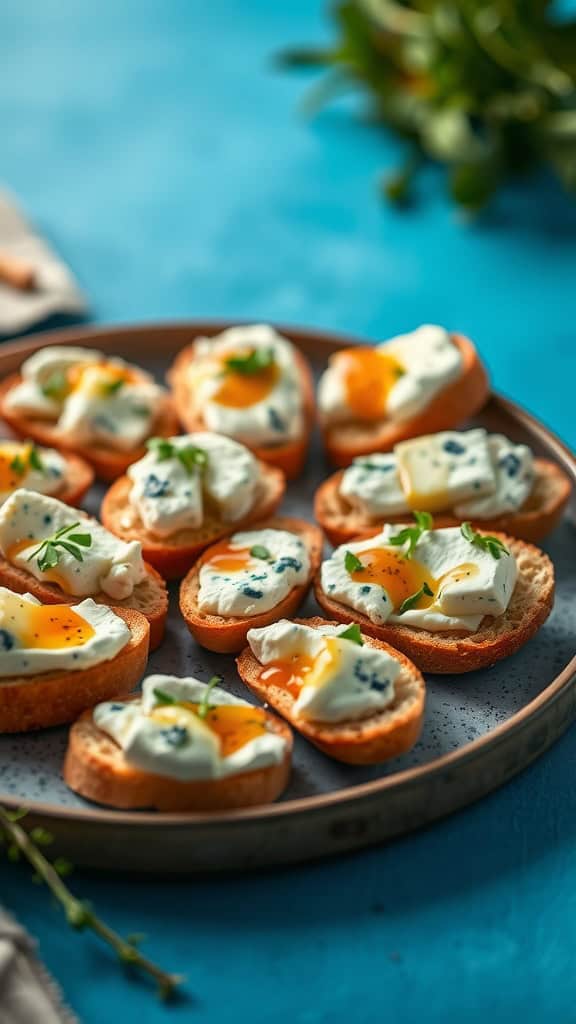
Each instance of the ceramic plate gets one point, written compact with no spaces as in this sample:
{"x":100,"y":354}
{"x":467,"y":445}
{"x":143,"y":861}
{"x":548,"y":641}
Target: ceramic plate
{"x":480,"y":728}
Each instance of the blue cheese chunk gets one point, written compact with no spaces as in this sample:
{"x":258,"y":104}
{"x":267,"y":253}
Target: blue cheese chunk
{"x":514,"y":476}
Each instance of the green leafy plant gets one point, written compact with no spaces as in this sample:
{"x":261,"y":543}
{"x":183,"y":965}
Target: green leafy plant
{"x":410,"y":535}
{"x":485,"y":541}
{"x":352,"y":563}
{"x":485,"y":87}
{"x":353,"y":634}
{"x":112,"y":387}
{"x":49,"y":551}
{"x":164,"y":698}
{"x":191,"y":457}
{"x":56,"y":386}
{"x":259,"y":551}
{"x":254,"y":362}
{"x":412,"y":601}
{"x":33,"y":460}
{"x":18,"y":842}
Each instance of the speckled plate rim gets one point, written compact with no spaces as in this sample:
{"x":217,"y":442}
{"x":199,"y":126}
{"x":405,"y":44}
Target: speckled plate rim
{"x":354,"y":815}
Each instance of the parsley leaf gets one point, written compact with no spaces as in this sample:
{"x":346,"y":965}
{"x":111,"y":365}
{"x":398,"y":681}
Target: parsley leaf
{"x":204,"y":707}
{"x":189,"y":456}
{"x":410,"y":535}
{"x":353,"y":634}
{"x":55,"y":386}
{"x":256,"y":361}
{"x":409,"y":602}
{"x":486,"y":542}
{"x":35,"y":460}
{"x":259,"y":551}
{"x":352,"y":563}
{"x":48,"y":552}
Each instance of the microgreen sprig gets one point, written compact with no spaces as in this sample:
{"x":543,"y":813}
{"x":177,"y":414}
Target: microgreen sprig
{"x":410,"y":535}
{"x":189,"y":455}
{"x":79,"y":915}
{"x":56,"y":385}
{"x":256,"y":361}
{"x":48,"y":553}
{"x":411,"y":601}
{"x":205,"y":706}
{"x":352,"y":563}
{"x":112,"y":387}
{"x":486,"y":542}
{"x":259,"y":551}
{"x":353,"y":634}
{"x":19,"y":466}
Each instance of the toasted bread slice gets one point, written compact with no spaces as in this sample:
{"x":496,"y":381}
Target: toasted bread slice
{"x":371,"y":740}
{"x":53,"y":698}
{"x":174,"y":555}
{"x":228,"y":635}
{"x":108,"y":463}
{"x":538,"y":516}
{"x":95,"y":767}
{"x":459,"y":400}
{"x":496,"y":638}
{"x":150,"y":597}
{"x":79,"y":479}
{"x":290,"y":456}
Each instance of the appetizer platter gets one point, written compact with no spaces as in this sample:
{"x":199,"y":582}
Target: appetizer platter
{"x":269,"y":594}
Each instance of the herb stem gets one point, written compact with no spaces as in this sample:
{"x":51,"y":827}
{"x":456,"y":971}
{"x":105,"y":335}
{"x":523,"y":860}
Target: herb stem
{"x":79,"y":915}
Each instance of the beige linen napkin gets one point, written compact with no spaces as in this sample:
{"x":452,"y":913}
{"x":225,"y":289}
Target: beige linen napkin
{"x":28,"y":995}
{"x":56,"y":291}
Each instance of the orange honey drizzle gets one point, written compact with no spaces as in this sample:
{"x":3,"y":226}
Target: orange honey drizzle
{"x":52,"y":627}
{"x":288,"y":674}
{"x":402,"y":577}
{"x":241,"y":390}
{"x":226,"y":557}
{"x":369,"y":376}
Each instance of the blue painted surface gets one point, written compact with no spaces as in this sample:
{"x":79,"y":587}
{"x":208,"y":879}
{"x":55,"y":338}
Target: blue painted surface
{"x":151,"y":142}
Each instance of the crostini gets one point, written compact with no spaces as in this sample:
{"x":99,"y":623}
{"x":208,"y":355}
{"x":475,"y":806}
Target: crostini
{"x":56,"y":661}
{"x":25,"y":464}
{"x":370,"y":398}
{"x":182,"y":746}
{"x":354,"y":697}
{"x":186,"y":493}
{"x":252,"y":384}
{"x":452,"y":599}
{"x":250,"y":579}
{"x":82,"y":401}
{"x":61,"y":555}
{"x":459,"y":476}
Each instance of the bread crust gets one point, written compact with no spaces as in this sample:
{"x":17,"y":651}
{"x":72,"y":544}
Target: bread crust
{"x":460,"y":399}
{"x":173,"y":556}
{"x":228,"y":635}
{"x":290,"y":456}
{"x":538,"y":516}
{"x":371,"y":740}
{"x":150,"y":597}
{"x":108,"y":463}
{"x":456,"y":652}
{"x":28,"y":703}
{"x":95,"y":768}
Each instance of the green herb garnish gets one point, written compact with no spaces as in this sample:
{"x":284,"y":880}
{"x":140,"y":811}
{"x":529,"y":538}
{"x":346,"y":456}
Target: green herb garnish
{"x":409,"y":602}
{"x":352,"y":563}
{"x":353,"y":634}
{"x":410,"y":535}
{"x":189,"y":456}
{"x":112,"y":387}
{"x":55,"y":386}
{"x":48,"y":552}
{"x":18,"y":464}
{"x":254,"y":362}
{"x":204,"y":707}
{"x":259,"y":551}
{"x":485,"y":89}
{"x":485,"y":542}
{"x":162,"y":697}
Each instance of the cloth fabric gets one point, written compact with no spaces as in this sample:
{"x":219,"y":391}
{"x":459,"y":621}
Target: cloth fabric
{"x":28,"y":995}
{"x":56,"y":290}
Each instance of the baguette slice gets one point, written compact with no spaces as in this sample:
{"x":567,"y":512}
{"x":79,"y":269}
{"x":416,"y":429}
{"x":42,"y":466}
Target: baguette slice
{"x":79,"y":479}
{"x":382,"y":736}
{"x":538,"y":516}
{"x":53,"y":698}
{"x":108,"y":463}
{"x":228,"y":635}
{"x":95,"y":767}
{"x":150,"y":597}
{"x":173,"y":556}
{"x":290,"y":456}
{"x":459,"y":400}
{"x":496,"y":638}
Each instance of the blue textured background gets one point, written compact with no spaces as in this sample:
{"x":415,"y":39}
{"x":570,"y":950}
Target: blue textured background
{"x":156,"y":148}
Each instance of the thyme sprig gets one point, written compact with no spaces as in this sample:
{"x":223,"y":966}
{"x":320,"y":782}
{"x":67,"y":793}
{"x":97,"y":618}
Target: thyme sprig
{"x":485,"y":88}
{"x":79,"y":915}
{"x":48,"y":552}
